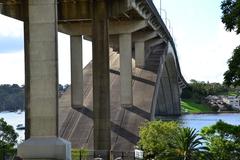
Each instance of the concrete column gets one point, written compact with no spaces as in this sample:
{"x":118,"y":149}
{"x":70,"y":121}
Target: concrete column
{"x":101,"y":91}
{"x":125,"y":48}
{"x":42,"y":83}
{"x":175,"y":95}
{"x":139,"y":54}
{"x":76,"y":72}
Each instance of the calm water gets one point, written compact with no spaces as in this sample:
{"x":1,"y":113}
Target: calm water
{"x":194,"y":121}
{"x":199,"y":121}
{"x":14,"y":119}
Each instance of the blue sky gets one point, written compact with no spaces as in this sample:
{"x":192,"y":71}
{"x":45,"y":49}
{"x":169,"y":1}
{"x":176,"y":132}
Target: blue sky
{"x":11,"y":44}
{"x":202,"y":43}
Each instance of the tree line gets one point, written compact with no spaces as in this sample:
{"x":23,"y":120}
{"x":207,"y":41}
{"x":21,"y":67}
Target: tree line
{"x":231,"y":19}
{"x":170,"y":141}
{"x":198,"y":90}
{"x":12,"y":96}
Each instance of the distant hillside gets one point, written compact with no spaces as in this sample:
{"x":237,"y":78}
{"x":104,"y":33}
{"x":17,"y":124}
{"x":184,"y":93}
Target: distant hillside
{"x":12,"y":96}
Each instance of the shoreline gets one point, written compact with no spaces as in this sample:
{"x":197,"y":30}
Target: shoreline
{"x":212,"y":112}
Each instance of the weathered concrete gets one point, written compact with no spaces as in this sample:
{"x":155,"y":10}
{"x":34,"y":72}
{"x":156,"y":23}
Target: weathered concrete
{"x":89,"y":125}
{"x":42,"y":82}
{"x":174,"y":84}
{"x":125,"y":49}
{"x":140,"y":54}
{"x":115,"y":27}
{"x":125,"y":121}
{"x":76,"y":72}
{"x":101,"y":91}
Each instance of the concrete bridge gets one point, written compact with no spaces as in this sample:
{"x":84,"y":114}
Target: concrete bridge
{"x":134,"y":75}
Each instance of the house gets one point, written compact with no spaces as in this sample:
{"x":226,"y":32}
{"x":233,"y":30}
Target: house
{"x":234,"y":101}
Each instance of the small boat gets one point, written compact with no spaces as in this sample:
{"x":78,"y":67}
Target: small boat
{"x":20,"y":127}
{"x":19,"y":111}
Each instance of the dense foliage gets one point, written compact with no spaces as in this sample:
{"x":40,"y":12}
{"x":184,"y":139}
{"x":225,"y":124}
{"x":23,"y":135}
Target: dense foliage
{"x":223,"y":141}
{"x":231,"y":19}
{"x":169,"y":141}
{"x":231,"y":15}
{"x":188,"y":144}
{"x":8,"y":138}
{"x":157,"y":138}
{"x":199,"y":90}
{"x":232,"y":76}
{"x":11,"y":97}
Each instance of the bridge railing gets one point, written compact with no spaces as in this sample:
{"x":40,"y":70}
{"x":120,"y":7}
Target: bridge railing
{"x":99,"y":155}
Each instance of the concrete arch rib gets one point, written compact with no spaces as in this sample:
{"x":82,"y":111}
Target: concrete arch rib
{"x":173,"y":80}
{"x":168,"y":102}
{"x":166,"y":93}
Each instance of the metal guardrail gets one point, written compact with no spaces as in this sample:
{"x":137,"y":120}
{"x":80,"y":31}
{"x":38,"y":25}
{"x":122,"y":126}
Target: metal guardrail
{"x":100,"y":155}
{"x":5,"y":155}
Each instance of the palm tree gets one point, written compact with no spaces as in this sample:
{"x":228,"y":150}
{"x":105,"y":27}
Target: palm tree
{"x":188,"y":144}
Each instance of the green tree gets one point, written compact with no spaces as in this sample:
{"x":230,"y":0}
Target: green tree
{"x":11,"y":97}
{"x":223,"y":141}
{"x":198,"y":90}
{"x":231,"y":19}
{"x":231,"y":15}
{"x":188,"y":144}
{"x":8,"y":138}
{"x":232,"y":75}
{"x":157,"y":139}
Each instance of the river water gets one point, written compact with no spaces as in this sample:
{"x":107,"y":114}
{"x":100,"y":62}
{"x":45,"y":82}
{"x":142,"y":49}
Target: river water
{"x":14,"y":119}
{"x":199,"y":121}
{"x":189,"y":120}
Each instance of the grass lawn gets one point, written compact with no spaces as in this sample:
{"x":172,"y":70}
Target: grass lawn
{"x":191,"y":107}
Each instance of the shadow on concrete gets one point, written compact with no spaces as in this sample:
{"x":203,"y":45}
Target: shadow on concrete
{"x":86,"y":111}
{"x":139,"y":112}
{"x":124,"y":133}
{"x":114,"y":127}
{"x":135,"y":78}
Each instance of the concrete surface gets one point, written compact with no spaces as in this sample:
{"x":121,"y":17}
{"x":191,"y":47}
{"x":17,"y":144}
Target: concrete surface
{"x":42,"y":82}
{"x":125,"y":49}
{"x":76,"y":71}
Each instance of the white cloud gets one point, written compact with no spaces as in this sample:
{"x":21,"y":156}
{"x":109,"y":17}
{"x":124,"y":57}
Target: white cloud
{"x":10,"y":27}
{"x":12,"y":64}
{"x":207,"y":61}
{"x":64,"y":57}
{"x":12,"y":68}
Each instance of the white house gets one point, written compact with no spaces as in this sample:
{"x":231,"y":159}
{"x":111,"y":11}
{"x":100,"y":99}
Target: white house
{"x":234,"y":101}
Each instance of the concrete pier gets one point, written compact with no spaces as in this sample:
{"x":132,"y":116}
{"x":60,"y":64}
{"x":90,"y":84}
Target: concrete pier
{"x":76,"y":72}
{"x":101,"y":91}
{"x":136,"y":92}
{"x":41,"y":84}
{"x":125,"y":49}
{"x":140,"y":54}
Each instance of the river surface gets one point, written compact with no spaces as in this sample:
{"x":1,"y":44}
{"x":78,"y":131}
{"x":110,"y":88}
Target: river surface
{"x":197,"y":121}
{"x":14,"y":119}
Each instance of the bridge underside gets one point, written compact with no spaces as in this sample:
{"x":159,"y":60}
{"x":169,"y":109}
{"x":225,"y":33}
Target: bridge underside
{"x":145,"y":78}
{"x":76,"y":125}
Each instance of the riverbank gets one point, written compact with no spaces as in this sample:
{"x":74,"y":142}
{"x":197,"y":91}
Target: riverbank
{"x":190,"y":107}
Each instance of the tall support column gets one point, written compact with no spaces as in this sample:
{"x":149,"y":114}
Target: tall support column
{"x":140,"y":53}
{"x":42,"y":84}
{"x":101,"y":91}
{"x":76,"y":72}
{"x":125,"y":48}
